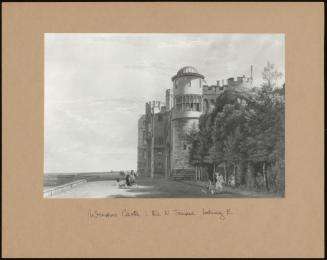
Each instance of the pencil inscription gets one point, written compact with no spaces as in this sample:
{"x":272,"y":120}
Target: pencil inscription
{"x":221,"y":214}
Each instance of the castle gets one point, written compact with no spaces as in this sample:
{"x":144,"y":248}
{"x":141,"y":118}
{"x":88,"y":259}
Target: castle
{"x":163,"y":148}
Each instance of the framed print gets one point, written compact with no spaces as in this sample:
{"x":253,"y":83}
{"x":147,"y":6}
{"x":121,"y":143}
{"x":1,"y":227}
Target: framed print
{"x":163,"y":130}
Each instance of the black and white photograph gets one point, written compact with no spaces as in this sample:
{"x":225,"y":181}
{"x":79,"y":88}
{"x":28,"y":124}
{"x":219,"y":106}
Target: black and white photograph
{"x":164,"y":115}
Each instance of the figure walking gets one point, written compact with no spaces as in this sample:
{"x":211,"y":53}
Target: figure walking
{"x":219,"y":183}
{"x":128,"y":179}
{"x":211,"y":183}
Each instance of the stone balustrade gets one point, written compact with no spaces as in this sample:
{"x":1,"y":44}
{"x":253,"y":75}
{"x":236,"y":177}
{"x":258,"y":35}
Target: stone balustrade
{"x":61,"y":188}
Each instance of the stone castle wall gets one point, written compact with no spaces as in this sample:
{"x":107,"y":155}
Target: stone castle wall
{"x":159,"y":144}
{"x":141,"y":147}
{"x":180,"y":145}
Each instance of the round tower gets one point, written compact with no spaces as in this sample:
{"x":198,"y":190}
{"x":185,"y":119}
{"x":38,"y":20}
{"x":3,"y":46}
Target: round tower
{"x":187,"y":108}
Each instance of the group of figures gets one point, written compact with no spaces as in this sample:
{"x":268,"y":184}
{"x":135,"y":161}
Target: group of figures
{"x":130,"y":179}
{"x":217,"y":183}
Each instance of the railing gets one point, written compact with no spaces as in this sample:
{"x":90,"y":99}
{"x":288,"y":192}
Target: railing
{"x":61,"y":188}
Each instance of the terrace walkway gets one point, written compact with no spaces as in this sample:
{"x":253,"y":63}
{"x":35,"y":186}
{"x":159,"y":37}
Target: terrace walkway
{"x":146,"y":188}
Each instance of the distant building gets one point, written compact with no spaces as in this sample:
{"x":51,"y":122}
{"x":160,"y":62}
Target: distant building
{"x":163,"y":148}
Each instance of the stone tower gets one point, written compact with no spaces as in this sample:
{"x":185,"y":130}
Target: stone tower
{"x":187,"y":108}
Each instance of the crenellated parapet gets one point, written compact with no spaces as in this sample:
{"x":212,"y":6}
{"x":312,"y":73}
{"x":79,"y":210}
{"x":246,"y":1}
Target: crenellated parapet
{"x":211,"y":93}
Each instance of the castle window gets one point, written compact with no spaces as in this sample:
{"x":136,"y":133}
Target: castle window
{"x":179,"y":101}
{"x":159,"y":118}
{"x":185,"y":147}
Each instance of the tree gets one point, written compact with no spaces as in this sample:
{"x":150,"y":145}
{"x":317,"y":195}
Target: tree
{"x":270,"y":75}
{"x":265,"y":139}
{"x":246,"y":127}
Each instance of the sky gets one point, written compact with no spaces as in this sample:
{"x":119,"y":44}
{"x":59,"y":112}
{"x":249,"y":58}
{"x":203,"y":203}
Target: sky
{"x":96,"y":86}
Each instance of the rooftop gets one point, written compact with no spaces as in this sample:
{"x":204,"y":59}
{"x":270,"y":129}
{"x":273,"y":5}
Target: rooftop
{"x":187,"y":71}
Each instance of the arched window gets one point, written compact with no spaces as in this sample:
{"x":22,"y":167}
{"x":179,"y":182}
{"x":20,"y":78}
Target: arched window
{"x":178,"y":103}
{"x":175,"y":83}
{"x":187,"y":103}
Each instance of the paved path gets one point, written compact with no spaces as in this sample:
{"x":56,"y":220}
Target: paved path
{"x":146,"y":188}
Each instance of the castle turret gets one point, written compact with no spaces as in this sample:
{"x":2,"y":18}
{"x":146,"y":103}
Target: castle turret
{"x":187,"y":108}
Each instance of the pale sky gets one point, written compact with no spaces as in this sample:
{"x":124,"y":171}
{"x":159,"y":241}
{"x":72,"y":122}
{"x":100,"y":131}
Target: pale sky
{"x":96,"y":86}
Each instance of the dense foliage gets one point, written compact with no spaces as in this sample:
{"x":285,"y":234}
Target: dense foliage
{"x":244,"y":136}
